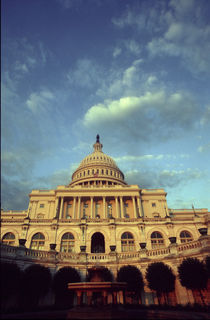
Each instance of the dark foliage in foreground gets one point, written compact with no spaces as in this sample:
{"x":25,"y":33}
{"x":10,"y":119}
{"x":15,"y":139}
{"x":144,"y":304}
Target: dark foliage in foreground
{"x":132,"y":276}
{"x":63,"y":296}
{"x":35,"y":284}
{"x":161,"y":279}
{"x":193,"y":275}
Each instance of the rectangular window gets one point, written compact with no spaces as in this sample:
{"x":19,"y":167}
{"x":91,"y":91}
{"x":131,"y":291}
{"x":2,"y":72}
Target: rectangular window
{"x":41,"y":205}
{"x":153,"y":204}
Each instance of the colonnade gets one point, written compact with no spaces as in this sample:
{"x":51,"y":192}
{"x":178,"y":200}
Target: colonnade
{"x":111,"y":206}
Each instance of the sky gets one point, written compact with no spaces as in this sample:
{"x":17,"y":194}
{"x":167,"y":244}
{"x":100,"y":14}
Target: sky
{"x":136,"y":72}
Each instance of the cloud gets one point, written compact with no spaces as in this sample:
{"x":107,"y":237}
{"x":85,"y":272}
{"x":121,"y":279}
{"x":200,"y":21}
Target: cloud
{"x":85,"y":75}
{"x":176,"y":29}
{"x":163,"y":178}
{"x":117,"y":51}
{"x":14,"y":193}
{"x":135,"y":158}
{"x":25,"y":56}
{"x":152,"y":116}
{"x":204,"y":148}
{"x":205,"y":120}
{"x":39,"y":101}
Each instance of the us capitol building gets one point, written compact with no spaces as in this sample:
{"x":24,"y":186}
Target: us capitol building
{"x":99,"y":220}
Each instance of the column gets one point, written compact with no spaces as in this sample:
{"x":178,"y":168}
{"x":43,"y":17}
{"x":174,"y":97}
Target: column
{"x":61,"y":209}
{"x":134,"y":207}
{"x":74,"y":208}
{"x":140,"y":207}
{"x":121,"y":207}
{"x":117,"y":207}
{"x":56,"y":208}
{"x":49,"y":209}
{"x":91,"y":207}
{"x":104,"y":207}
{"x":79,"y":208}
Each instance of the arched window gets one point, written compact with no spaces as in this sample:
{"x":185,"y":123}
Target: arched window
{"x":67,"y":242}
{"x":127,"y":242}
{"x":97,"y":243}
{"x":157,"y":240}
{"x":185,"y":236}
{"x":37,"y":241}
{"x":9,"y":238}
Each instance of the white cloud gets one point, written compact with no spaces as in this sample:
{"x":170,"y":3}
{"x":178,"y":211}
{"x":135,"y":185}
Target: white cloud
{"x":205,"y":120}
{"x":86,"y":74}
{"x":163,"y":178}
{"x":154,"y":115}
{"x":38,"y":102}
{"x":117,"y":51}
{"x":176,"y":29}
{"x":204,"y":148}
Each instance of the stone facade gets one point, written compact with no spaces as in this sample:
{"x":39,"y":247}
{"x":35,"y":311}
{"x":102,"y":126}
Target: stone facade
{"x":100,"y":220}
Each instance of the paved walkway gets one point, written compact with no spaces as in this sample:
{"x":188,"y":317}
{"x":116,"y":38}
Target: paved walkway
{"x":109,"y":313}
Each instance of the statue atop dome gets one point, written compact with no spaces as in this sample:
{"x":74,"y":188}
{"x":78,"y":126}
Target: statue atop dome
{"x":98,"y":146}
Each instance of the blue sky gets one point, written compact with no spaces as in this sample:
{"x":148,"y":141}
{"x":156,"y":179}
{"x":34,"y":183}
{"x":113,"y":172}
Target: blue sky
{"x":136,"y":72}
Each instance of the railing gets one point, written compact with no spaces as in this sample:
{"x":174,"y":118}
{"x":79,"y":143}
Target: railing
{"x":102,"y":257}
{"x":13,"y":252}
{"x":158,"y":252}
{"x":128,"y":255}
{"x":68,"y":256}
{"x":37,"y":254}
{"x":189,"y":245}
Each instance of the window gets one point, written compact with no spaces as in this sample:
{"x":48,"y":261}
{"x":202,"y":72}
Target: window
{"x":93,"y":171}
{"x":9,"y":239}
{"x":125,"y":210}
{"x":102,"y":171}
{"x":127,"y":242}
{"x":37,"y":241}
{"x":67,"y":242}
{"x":109,"y":209}
{"x":88,"y":171}
{"x":97,"y":207}
{"x":157,"y":240}
{"x":153,"y":204}
{"x":41,"y":205}
{"x":185,"y":236}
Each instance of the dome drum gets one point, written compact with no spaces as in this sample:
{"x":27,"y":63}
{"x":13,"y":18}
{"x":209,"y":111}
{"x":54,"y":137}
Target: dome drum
{"x":97,"y":167}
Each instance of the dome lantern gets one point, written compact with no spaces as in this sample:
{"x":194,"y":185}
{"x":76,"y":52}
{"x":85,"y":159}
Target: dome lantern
{"x":98,"y":146}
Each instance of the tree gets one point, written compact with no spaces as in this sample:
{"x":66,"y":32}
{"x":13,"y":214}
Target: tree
{"x":134,"y":279}
{"x":36,"y":282}
{"x":63,"y":296}
{"x":161,"y":279}
{"x":193,"y":275}
{"x":207,"y":264}
{"x":10,"y":279}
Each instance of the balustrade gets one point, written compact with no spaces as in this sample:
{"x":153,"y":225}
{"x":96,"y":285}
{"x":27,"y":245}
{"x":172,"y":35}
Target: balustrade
{"x":12,"y":252}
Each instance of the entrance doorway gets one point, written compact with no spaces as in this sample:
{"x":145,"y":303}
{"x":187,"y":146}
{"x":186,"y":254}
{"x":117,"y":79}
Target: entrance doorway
{"x":97,"y":243}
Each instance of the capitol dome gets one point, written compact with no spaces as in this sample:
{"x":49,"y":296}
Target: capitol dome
{"x":97,"y":169}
